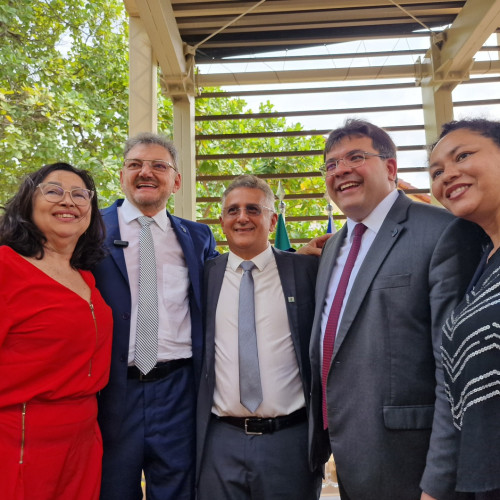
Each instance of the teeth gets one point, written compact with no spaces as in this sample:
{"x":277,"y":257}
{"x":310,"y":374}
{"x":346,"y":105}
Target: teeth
{"x":457,"y":191}
{"x":66,"y":216}
{"x":348,"y":185}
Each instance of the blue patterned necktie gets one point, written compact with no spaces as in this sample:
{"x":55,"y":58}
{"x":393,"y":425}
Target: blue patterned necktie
{"x":250,"y":386}
{"x":146,"y":341}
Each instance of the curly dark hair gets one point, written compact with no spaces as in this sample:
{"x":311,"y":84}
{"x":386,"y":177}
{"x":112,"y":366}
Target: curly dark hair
{"x":482,"y":126}
{"x":18,"y":231}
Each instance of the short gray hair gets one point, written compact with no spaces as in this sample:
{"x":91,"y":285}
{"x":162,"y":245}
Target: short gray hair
{"x":150,"y":138}
{"x":252,"y":182}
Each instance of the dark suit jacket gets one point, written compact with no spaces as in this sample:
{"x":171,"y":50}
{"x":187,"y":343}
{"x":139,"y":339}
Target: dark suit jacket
{"x":198,"y":245}
{"x":298,"y":277}
{"x":381,"y":388}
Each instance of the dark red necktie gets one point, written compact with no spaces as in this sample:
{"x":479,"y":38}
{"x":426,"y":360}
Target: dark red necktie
{"x":333,"y":317}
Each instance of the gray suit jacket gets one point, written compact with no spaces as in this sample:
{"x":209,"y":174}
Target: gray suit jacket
{"x":298,"y":278}
{"x":389,"y":421}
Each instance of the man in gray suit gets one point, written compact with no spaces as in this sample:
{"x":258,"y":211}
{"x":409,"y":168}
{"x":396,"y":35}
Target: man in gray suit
{"x":256,"y":451}
{"x":386,"y":421}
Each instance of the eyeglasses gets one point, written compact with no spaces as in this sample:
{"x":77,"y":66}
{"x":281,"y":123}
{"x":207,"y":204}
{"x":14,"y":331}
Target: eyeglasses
{"x":351,"y":160}
{"x":251,"y":210}
{"x":158,"y":166}
{"x":54,"y":194}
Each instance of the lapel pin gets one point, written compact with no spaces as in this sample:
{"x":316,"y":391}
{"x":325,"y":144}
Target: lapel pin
{"x":291,"y":299}
{"x":394,"y":232}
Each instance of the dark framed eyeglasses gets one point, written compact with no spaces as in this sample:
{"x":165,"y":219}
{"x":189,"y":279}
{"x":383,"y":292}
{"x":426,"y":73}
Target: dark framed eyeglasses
{"x":54,"y":194}
{"x":352,"y":160}
{"x":252,"y":210}
{"x":158,"y":166}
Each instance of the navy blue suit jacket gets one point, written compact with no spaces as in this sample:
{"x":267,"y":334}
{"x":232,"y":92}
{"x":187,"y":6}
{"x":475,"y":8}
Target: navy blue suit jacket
{"x":198,"y":244}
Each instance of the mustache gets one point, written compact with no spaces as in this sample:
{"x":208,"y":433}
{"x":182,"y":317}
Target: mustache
{"x":141,"y":178}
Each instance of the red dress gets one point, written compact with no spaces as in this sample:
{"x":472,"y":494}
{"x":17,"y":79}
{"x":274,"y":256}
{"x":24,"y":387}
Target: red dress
{"x":55,"y":351}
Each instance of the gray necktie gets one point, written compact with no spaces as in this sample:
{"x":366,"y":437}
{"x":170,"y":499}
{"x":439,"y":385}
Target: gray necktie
{"x":146,"y":341}
{"x":250,"y":387}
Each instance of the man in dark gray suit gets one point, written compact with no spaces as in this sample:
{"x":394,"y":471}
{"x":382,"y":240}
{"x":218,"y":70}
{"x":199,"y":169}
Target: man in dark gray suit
{"x":386,"y":418}
{"x":256,"y":451}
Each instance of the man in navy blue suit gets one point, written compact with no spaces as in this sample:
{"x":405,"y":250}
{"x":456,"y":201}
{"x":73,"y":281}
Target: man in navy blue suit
{"x":148,"y":419}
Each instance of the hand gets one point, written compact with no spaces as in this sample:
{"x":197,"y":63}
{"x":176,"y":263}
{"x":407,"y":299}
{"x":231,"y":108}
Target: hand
{"x":425,"y":496}
{"x":315,"y":246}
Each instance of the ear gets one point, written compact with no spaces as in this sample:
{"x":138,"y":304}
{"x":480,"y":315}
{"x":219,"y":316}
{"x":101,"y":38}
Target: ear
{"x":392,"y":169}
{"x":177,"y":182}
{"x":221,"y":220}
{"x":274,"y":220}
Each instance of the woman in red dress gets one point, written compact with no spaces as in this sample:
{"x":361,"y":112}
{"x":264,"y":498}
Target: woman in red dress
{"x":55,"y":338}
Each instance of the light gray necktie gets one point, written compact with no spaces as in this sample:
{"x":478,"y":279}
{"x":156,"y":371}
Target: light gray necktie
{"x":250,"y":386}
{"x":146,"y":341}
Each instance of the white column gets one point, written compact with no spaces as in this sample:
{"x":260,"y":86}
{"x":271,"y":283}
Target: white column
{"x":184,"y":131}
{"x":143,"y":85}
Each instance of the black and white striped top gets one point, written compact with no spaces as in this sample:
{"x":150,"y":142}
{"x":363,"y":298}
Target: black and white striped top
{"x":471,"y":360}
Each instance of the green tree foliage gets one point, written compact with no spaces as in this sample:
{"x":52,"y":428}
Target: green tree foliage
{"x":63,"y":88}
{"x":277,"y":165}
{"x":64,"y":97}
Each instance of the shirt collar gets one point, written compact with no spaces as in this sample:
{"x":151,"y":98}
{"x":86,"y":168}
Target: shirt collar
{"x":260,"y":261}
{"x":130,"y":213}
{"x":377,"y":216}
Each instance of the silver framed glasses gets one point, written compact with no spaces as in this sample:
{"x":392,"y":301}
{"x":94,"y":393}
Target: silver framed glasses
{"x":54,"y":194}
{"x":158,"y":166}
{"x":354,"y":159}
{"x":252,"y":210}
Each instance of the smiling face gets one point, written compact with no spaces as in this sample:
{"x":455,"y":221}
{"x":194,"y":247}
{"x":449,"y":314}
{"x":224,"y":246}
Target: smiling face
{"x":63,"y":219}
{"x":247,"y":235}
{"x":465,"y":174}
{"x":357,"y":191}
{"x":145,"y":188}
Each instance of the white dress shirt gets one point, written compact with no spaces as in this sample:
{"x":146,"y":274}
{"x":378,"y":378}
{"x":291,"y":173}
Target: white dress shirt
{"x":174,"y":330}
{"x":281,"y":384}
{"x":373,"y":223}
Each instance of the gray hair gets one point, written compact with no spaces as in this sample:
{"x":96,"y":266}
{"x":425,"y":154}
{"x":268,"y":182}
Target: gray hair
{"x":252,"y":182}
{"x":150,"y":138}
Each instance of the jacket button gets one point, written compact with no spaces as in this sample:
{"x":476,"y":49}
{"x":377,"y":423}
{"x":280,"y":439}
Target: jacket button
{"x":126,"y":315}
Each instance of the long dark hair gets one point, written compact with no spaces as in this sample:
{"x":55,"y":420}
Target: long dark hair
{"x":18,"y":231}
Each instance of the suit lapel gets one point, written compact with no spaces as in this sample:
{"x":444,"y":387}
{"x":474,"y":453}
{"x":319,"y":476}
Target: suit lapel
{"x":326,"y":265}
{"x":286,"y":273}
{"x":389,"y":233}
{"x":187,"y":245}
{"x":110,"y":216}
{"x":215,"y":270}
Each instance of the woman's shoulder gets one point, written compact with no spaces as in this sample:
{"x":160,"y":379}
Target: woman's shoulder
{"x":15,"y":270}
{"x":8,"y":256}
